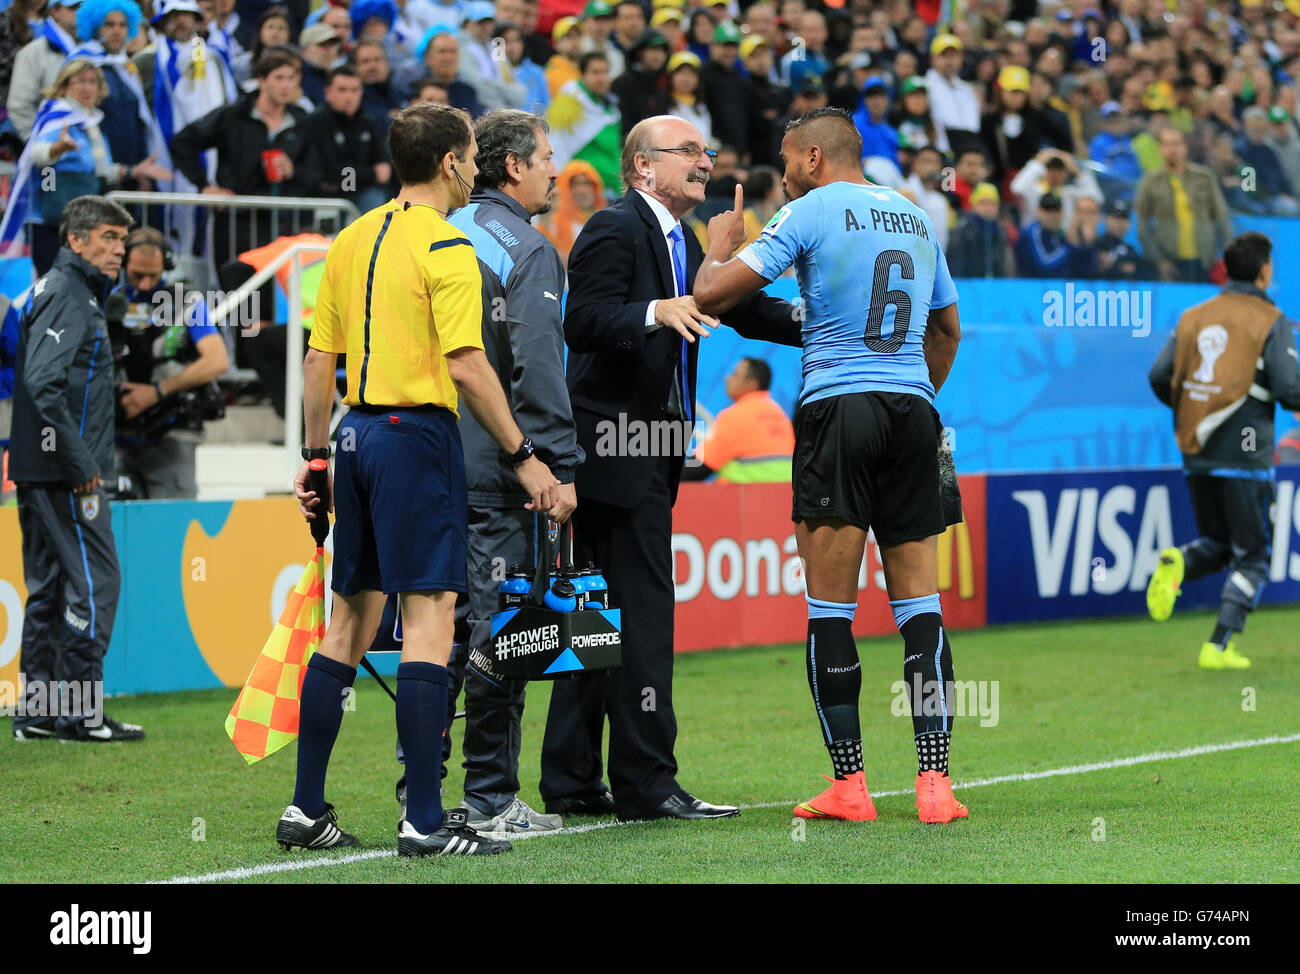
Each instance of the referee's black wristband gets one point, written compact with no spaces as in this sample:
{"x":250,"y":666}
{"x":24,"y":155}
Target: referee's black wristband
{"x":525,"y":451}
{"x":315,"y":452}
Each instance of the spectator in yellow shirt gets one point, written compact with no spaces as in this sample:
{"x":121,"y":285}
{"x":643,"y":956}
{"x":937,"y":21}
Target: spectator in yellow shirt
{"x":563,"y":65}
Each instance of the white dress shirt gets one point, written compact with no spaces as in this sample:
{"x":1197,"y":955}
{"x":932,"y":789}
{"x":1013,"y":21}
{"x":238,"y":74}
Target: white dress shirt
{"x":666,"y":225}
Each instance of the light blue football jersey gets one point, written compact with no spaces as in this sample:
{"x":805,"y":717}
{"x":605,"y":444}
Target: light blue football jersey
{"x":870,"y":270}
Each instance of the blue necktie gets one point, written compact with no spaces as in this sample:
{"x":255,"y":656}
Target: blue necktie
{"x":679,"y":271}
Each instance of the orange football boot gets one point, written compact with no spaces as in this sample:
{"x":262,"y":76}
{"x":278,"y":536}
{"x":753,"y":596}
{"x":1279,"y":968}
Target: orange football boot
{"x":935,"y":802}
{"x":846,"y":799}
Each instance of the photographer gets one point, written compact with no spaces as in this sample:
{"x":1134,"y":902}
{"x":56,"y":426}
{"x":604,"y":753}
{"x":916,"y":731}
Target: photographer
{"x":167,"y":356}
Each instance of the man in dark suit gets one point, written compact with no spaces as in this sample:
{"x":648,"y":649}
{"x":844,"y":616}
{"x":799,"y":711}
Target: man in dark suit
{"x":631,"y":325}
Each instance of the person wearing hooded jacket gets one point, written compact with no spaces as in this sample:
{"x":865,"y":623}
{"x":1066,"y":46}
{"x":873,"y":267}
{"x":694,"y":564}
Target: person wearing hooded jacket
{"x":580,"y":192}
{"x":879,"y":138}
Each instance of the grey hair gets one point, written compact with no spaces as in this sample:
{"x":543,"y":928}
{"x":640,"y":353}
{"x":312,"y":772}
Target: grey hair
{"x":638,"y":143}
{"x":501,"y":134}
{"x":85,"y":213}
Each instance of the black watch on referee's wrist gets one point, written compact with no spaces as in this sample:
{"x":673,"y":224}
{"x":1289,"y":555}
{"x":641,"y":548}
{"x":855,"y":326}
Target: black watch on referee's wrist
{"x":526,"y":450}
{"x":315,"y":452}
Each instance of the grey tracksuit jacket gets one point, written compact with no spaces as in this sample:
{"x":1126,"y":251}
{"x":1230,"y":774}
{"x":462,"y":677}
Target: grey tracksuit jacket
{"x":523,"y":336}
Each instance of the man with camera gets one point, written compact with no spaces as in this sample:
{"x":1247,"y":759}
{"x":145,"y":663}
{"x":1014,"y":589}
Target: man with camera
{"x":167,"y":356}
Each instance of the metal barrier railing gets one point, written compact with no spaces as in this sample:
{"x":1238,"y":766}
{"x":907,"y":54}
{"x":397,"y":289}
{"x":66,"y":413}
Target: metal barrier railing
{"x":293,"y":337}
{"x":326,"y":216}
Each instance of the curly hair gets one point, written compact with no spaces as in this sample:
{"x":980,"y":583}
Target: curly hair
{"x":92,"y":14}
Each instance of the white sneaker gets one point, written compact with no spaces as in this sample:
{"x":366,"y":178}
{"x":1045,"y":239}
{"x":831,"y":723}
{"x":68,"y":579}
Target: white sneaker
{"x":518,"y":817}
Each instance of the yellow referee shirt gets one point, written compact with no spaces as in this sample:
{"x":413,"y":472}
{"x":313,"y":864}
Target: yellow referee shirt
{"x":401,"y":289}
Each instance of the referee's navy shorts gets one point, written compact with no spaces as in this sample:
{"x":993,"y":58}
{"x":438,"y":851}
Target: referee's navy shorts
{"x":400,"y":510}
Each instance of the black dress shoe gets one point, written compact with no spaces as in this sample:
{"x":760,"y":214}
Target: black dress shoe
{"x":601,"y":803}
{"x":685,"y":805}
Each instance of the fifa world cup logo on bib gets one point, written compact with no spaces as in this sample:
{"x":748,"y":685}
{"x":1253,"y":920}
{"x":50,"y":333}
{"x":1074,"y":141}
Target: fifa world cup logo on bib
{"x":1210,"y":343}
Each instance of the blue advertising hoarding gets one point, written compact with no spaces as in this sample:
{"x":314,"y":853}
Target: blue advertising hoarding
{"x":1084,"y":545}
{"x":1034,"y":387}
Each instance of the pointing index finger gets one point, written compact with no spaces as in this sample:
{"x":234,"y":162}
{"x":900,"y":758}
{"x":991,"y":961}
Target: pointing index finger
{"x":740,"y":199}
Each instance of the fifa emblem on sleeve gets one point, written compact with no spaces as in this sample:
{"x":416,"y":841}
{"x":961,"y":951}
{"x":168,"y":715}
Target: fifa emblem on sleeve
{"x":779,"y":217}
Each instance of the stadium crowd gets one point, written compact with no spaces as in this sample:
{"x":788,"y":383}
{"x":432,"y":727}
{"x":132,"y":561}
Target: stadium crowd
{"x":1046,"y":139}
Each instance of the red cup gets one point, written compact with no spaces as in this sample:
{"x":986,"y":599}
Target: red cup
{"x":270,"y":163}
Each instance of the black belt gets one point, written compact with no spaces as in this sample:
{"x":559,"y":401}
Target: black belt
{"x":372,"y":410}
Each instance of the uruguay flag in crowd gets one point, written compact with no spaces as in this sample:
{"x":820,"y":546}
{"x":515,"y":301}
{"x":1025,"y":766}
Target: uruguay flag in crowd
{"x":54,"y":114}
{"x":189,"y":81}
{"x":94,"y":52}
{"x":182,"y":89}
{"x":223,"y":43}
{"x":57,"y":36}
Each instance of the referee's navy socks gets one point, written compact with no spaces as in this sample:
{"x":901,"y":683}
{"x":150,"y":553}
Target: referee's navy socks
{"x":321,"y":711}
{"x":835,"y":678}
{"x":927,"y":670}
{"x":421,"y":721}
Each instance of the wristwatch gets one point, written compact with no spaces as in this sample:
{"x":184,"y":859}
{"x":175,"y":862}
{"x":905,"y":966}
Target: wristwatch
{"x":315,"y":452}
{"x":526,"y":450}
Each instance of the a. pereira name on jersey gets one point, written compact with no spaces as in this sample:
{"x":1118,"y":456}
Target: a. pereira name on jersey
{"x":888,"y":222}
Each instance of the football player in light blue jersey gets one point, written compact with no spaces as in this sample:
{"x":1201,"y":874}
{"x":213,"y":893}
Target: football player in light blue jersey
{"x":880,"y":334}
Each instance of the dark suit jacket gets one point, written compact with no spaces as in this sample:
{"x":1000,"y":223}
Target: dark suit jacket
{"x":619,"y":264}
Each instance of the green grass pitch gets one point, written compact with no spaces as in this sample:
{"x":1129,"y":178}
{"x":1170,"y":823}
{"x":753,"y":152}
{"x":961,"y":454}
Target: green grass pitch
{"x":184,"y":804}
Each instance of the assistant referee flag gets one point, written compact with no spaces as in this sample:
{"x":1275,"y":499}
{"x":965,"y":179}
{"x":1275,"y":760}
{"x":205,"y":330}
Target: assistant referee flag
{"x":265,"y":715}
{"x":396,"y":347}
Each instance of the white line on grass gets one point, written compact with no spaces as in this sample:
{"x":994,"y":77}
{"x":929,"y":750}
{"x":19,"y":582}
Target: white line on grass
{"x":249,"y":872}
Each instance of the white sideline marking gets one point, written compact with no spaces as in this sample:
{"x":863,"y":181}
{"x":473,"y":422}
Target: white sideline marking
{"x":248,"y":872}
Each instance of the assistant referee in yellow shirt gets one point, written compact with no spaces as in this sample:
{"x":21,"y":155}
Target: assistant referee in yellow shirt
{"x":401,"y":297}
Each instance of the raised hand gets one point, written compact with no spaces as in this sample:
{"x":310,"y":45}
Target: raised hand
{"x":727,"y":229}
{"x":63,"y":145}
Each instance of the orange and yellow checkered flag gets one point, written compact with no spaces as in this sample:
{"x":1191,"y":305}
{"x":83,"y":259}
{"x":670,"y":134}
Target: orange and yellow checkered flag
{"x":265,"y":715}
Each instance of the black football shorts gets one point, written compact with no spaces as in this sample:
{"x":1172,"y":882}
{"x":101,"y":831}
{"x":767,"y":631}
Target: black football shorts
{"x":870,"y":459}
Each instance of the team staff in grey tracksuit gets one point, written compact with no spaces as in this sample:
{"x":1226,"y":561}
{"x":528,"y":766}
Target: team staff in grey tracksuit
{"x":523,"y":282}
{"x":1227,"y":364}
{"x":61,"y":451}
